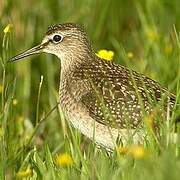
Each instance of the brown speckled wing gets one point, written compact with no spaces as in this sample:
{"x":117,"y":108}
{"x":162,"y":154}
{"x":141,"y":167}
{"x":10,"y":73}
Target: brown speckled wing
{"x":119,"y":96}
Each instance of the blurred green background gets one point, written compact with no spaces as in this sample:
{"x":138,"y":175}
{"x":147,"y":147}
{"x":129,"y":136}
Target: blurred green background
{"x":142,"y":34}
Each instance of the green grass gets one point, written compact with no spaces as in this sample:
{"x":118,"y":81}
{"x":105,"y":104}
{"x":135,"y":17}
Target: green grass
{"x":31,"y":136}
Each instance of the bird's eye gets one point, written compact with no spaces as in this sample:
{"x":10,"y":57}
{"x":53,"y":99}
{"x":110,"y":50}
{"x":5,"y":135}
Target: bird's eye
{"x":57,"y":38}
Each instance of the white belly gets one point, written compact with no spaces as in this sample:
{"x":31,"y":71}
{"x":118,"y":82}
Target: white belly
{"x":101,"y":134}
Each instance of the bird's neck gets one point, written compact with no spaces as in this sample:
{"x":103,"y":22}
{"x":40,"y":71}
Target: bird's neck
{"x":71,"y":61}
{"x":69,"y":82}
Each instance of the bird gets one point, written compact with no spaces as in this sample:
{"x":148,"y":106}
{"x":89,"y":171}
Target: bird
{"x":106,"y":102}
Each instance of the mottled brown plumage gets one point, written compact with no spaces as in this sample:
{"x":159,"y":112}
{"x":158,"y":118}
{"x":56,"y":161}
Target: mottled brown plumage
{"x":115,"y":93}
{"x":100,"y":98}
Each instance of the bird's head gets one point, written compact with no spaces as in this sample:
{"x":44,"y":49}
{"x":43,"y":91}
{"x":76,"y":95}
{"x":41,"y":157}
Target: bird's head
{"x":62,"y":40}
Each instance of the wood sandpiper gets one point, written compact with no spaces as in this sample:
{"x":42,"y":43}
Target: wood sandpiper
{"x":106,"y":102}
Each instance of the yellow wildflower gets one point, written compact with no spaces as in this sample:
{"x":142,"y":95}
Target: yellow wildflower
{"x":15,"y":102}
{"x":138,"y":152}
{"x":24,"y":173}
{"x":64,"y":160}
{"x":130,"y":55}
{"x":8,"y":28}
{"x":1,"y":88}
{"x":122,"y":150}
{"x":168,"y":48}
{"x":104,"y":54}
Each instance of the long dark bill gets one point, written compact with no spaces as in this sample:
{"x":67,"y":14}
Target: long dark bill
{"x":34,"y":50}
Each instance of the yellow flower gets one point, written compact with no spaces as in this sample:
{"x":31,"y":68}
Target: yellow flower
{"x":1,"y":88}
{"x":168,"y":48}
{"x":8,"y":28}
{"x":24,"y":173}
{"x":64,"y":160}
{"x":104,"y":54}
{"x":138,"y":152}
{"x":15,"y":102}
{"x":130,"y":55}
{"x":122,"y":150}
